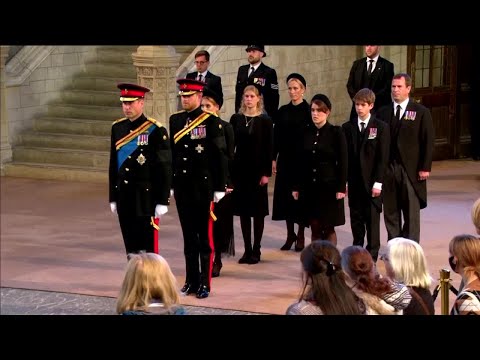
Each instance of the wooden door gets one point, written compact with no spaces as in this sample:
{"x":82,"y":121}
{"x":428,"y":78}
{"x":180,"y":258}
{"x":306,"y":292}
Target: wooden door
{"x":442,"y":81}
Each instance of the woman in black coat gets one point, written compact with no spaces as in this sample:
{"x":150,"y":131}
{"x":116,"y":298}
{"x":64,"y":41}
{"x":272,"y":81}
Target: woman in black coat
{"x":322,"y":172}
{"x":252,"y":166}
{"x":290,"y":122}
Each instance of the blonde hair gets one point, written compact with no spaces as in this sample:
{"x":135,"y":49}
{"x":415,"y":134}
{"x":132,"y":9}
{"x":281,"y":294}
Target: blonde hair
{"x":148,"y":278}
{"x":260,"y":105}
{"x":467,"y":250}
{"x":476,"y":215}
{"x":408,"y":262}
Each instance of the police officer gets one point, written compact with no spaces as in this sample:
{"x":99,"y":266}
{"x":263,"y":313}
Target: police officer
{"x":199,"y":180}
{"x":140,"y":172}
{"x":261,"y":75}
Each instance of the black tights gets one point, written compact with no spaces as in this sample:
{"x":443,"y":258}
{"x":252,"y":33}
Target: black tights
{"x":291,"y":230}
{"x":323,"y":232}
{"x":246,"y":225}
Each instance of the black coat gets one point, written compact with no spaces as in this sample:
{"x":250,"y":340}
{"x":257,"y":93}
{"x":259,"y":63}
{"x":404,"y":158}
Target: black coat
{"x":380,"y":81}
{"x":290,"y":122}
{"x":230,"y":142}
{"x":143,"y":179}
{"x":199,"y":158}
{"x":264,"y":76}
{"x":214,"y":82}
{"x":253,"y":159}
{"x":370,"y":157}
{"x":322,"y":172}
{"x":414,"y":143}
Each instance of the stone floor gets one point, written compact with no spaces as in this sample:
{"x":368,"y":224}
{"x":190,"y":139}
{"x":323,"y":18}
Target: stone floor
{"x":62,"y":251}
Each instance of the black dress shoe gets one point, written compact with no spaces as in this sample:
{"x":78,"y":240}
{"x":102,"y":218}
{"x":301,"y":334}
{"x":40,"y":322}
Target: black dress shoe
{"x":203,"y":292}
{"x":216,"y":269}
{"x":188,"y":289}
{"x":254,"y":259}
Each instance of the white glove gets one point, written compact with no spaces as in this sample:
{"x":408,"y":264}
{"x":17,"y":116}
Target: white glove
{"x":160,"y":210}
{"x":218,"y":195}
{"x":113,"y":207}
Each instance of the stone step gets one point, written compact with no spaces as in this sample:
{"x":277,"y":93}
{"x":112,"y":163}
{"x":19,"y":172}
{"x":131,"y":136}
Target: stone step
{"x":72,"y":157}
{"x":116,"y":54}
{"x":73,"y":126}
{"x":91,"y":97}
{"x":112,"y":69}
{"x":104,"y":83}
{"x":85,"y":111}
{"x":56,"y":172}
{"x":64,"y":141}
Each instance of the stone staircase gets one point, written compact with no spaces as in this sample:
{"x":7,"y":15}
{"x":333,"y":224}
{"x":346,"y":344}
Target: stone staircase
{"x":72,"y":141}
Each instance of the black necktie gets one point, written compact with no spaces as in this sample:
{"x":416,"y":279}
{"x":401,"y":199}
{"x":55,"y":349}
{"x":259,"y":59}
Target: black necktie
{"x":362,"y":130}
{"x":370,"y":67}
{"x":200,"y":77}
{"x":252,"y":69}
{"x":397,"y":114}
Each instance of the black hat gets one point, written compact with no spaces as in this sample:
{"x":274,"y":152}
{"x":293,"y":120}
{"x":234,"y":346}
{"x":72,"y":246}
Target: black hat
{"x":212,"y":94}
{"x":324,"y":99}
{"x":298,"y":77}
{"x":190,"y":86}
{"x":257,"y":47}
{"x":131,"y":92}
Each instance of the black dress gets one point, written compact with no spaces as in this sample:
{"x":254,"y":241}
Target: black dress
{"x":287,"y":135}
{"x":252,"y":160}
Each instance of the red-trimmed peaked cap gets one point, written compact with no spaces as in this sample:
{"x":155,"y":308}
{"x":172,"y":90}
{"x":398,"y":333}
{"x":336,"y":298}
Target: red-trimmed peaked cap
{"x":131,"y":92}
{"x":189,"y":86}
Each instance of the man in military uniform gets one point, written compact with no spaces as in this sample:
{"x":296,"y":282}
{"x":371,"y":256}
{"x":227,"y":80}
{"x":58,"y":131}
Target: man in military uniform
{"x":140,"y":173}
{"x":261,"y":75}
{"x":199,"y":176}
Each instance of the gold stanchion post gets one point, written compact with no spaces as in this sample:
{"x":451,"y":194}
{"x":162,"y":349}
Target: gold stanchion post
{"x":444,"y":289}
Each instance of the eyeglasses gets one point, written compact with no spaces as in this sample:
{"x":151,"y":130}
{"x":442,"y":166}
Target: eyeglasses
{"x":200,"y":62}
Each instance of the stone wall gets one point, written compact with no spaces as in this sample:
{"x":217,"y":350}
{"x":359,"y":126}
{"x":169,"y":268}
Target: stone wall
{"x":43,"y":84}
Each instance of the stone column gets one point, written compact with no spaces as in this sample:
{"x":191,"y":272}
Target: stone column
{"x":156,"y":69}
{"x":5,"y":148}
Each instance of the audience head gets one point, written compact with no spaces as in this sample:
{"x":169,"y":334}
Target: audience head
{"x":406,"y":263}
{"x":148,"y":278}
{"x":465,"y":255}
{"x":324,"y":280}
{"x":476,"y":215}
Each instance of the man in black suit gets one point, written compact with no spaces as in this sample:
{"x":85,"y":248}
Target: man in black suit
{"x":373,"y":72}
{"x":202,"y":62}
{"x":257,"y":73}
{"x":368,"y":141}
{"x":411,"y":150}
{"x":140,"y":171}
{"x":199,"y":177}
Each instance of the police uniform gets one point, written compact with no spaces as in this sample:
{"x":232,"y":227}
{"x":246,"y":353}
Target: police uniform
{"x":263,"y":77}
{"x":199,"y":170}
{"x":140,"y":173}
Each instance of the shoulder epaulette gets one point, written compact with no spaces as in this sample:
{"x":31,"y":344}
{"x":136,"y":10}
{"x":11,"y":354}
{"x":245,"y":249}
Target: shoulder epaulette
{"x":156,"y":122}
{"x":178,"y":112}
{"x":119,"y":120}
{"x":210,"y":112}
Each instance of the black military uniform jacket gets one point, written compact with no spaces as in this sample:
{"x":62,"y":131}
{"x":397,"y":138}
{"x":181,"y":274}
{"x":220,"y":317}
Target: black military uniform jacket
{"x":266,"y":78}
{"x":140,"y":169}
{"x":199,"y":157}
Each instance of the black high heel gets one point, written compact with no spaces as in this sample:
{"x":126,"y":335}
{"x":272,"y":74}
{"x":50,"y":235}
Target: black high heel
{"x":290,"y":241}
{"x":300,"y":244}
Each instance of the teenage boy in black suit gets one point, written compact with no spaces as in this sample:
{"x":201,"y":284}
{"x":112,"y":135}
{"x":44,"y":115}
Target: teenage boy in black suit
{"x":368,"y":142}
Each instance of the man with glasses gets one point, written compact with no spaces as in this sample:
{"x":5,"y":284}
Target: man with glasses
{"x":202,"y":62}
